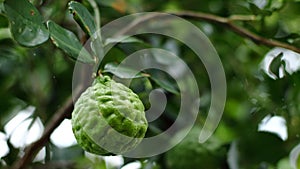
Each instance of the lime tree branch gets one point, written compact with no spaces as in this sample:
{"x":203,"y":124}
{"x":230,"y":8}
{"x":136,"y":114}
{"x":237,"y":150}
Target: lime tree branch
{"x":226,"y":22}
{"x":31,"y":151}
{"x":229,"y":22}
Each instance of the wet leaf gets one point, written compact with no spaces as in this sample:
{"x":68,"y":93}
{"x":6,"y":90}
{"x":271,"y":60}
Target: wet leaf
{"x":122,"y":71}
{"x":26,"y":23}
{"x":164,"y":82}
{"x":257,"y":11}
{"x":122,"y":40}
{"x":276,"y":65}
{"x":118,"y":5}
{"x":68,"y":42}
{"x":83,"y":17}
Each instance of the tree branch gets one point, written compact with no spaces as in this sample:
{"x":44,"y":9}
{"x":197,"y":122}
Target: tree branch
{"x":228,"y":22}
{"x":32,"y":150}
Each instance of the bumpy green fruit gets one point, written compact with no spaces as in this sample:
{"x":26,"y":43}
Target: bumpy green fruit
{"x":108,"y":118}
{"x":189,"y":153}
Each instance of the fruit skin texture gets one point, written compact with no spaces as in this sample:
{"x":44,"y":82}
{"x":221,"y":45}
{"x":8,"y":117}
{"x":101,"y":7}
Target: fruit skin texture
{"x":108,"y":118}
{"x":189,"y":153}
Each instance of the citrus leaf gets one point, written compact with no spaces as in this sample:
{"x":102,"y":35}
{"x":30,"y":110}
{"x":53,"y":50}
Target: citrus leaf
{"x":257,"y":11}
{"x":165,"y":85}
{"x":1,"y":8}
{"x":83,"y":17}
{"x":4,"y":33}
{"x":86,"y":21}
{"x":289,"y":37}
{"x":122,"y":71}
{"x":122,"y":40}
{"x":275,"y":64}
{"x":26,"y":23}
{"x":119,"y":5}
{"x":68,"y":42}
{"x":163,"y":81}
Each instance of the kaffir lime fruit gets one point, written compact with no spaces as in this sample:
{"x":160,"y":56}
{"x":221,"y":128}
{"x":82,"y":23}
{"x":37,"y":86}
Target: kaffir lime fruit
{"x":108,"y":118}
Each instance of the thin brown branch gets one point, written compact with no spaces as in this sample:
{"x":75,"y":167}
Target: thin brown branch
{"x":32,"y":150}
{"x":228,"y":22}
{"x":137,"y":23}
{"x":243,"y":18}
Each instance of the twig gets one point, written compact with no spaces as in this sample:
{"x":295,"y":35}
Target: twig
{"x":32,"y":150}
{"x":136,"y":23}
{"x":243,"y":18}
{"x":228,"y":22}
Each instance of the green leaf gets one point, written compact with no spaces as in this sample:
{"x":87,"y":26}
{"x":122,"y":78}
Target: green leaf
{"x":289,"y":37}
{"x":26,"y":23}
{"x":122,"y":71}
{"x":83,"y":17}
{"x":122,"y":40}
{"x":68,"y":153}
{"x":118,"y":5}
{"x":277,"y":4}
{"x":1,"y":7}
{"x":97,"y":47}
{"x":165,"y":85}
{"x":4,"y":33}
{"x":68,"y":42}
{"x":88,"y":24}
{"x":298,"y":162}
{"x":4,"y":22}
{"x":255,"y":147}
{"x":164,"y":82}
{"x":12,"y":155}
{"x":284,"y":164}
{"x":275,"y":64}
{"x":257,"y":11}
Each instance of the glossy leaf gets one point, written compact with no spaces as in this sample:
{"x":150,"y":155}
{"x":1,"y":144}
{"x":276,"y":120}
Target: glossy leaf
{"x":290,"y":37}
{"x":122,"y":71}
{"x":83,"y":17}
{"x":97,"y":47}
{"x":86,"y":21}
{"x":276,"y":64}
{"x":122,"y":40}
{"x":119,"y":5}
{"x":68,"y":42}
{"x":164,"y":82}
{"x":264,"y":142}
{"x":26,"y":23}
{"x":4,"y":33}
{"x":257,"y":11}
{"x":165,"y":85}
{"x":1,"y":7}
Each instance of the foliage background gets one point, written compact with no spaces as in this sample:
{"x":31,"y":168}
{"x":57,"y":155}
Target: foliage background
{"x":40,"y":75}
